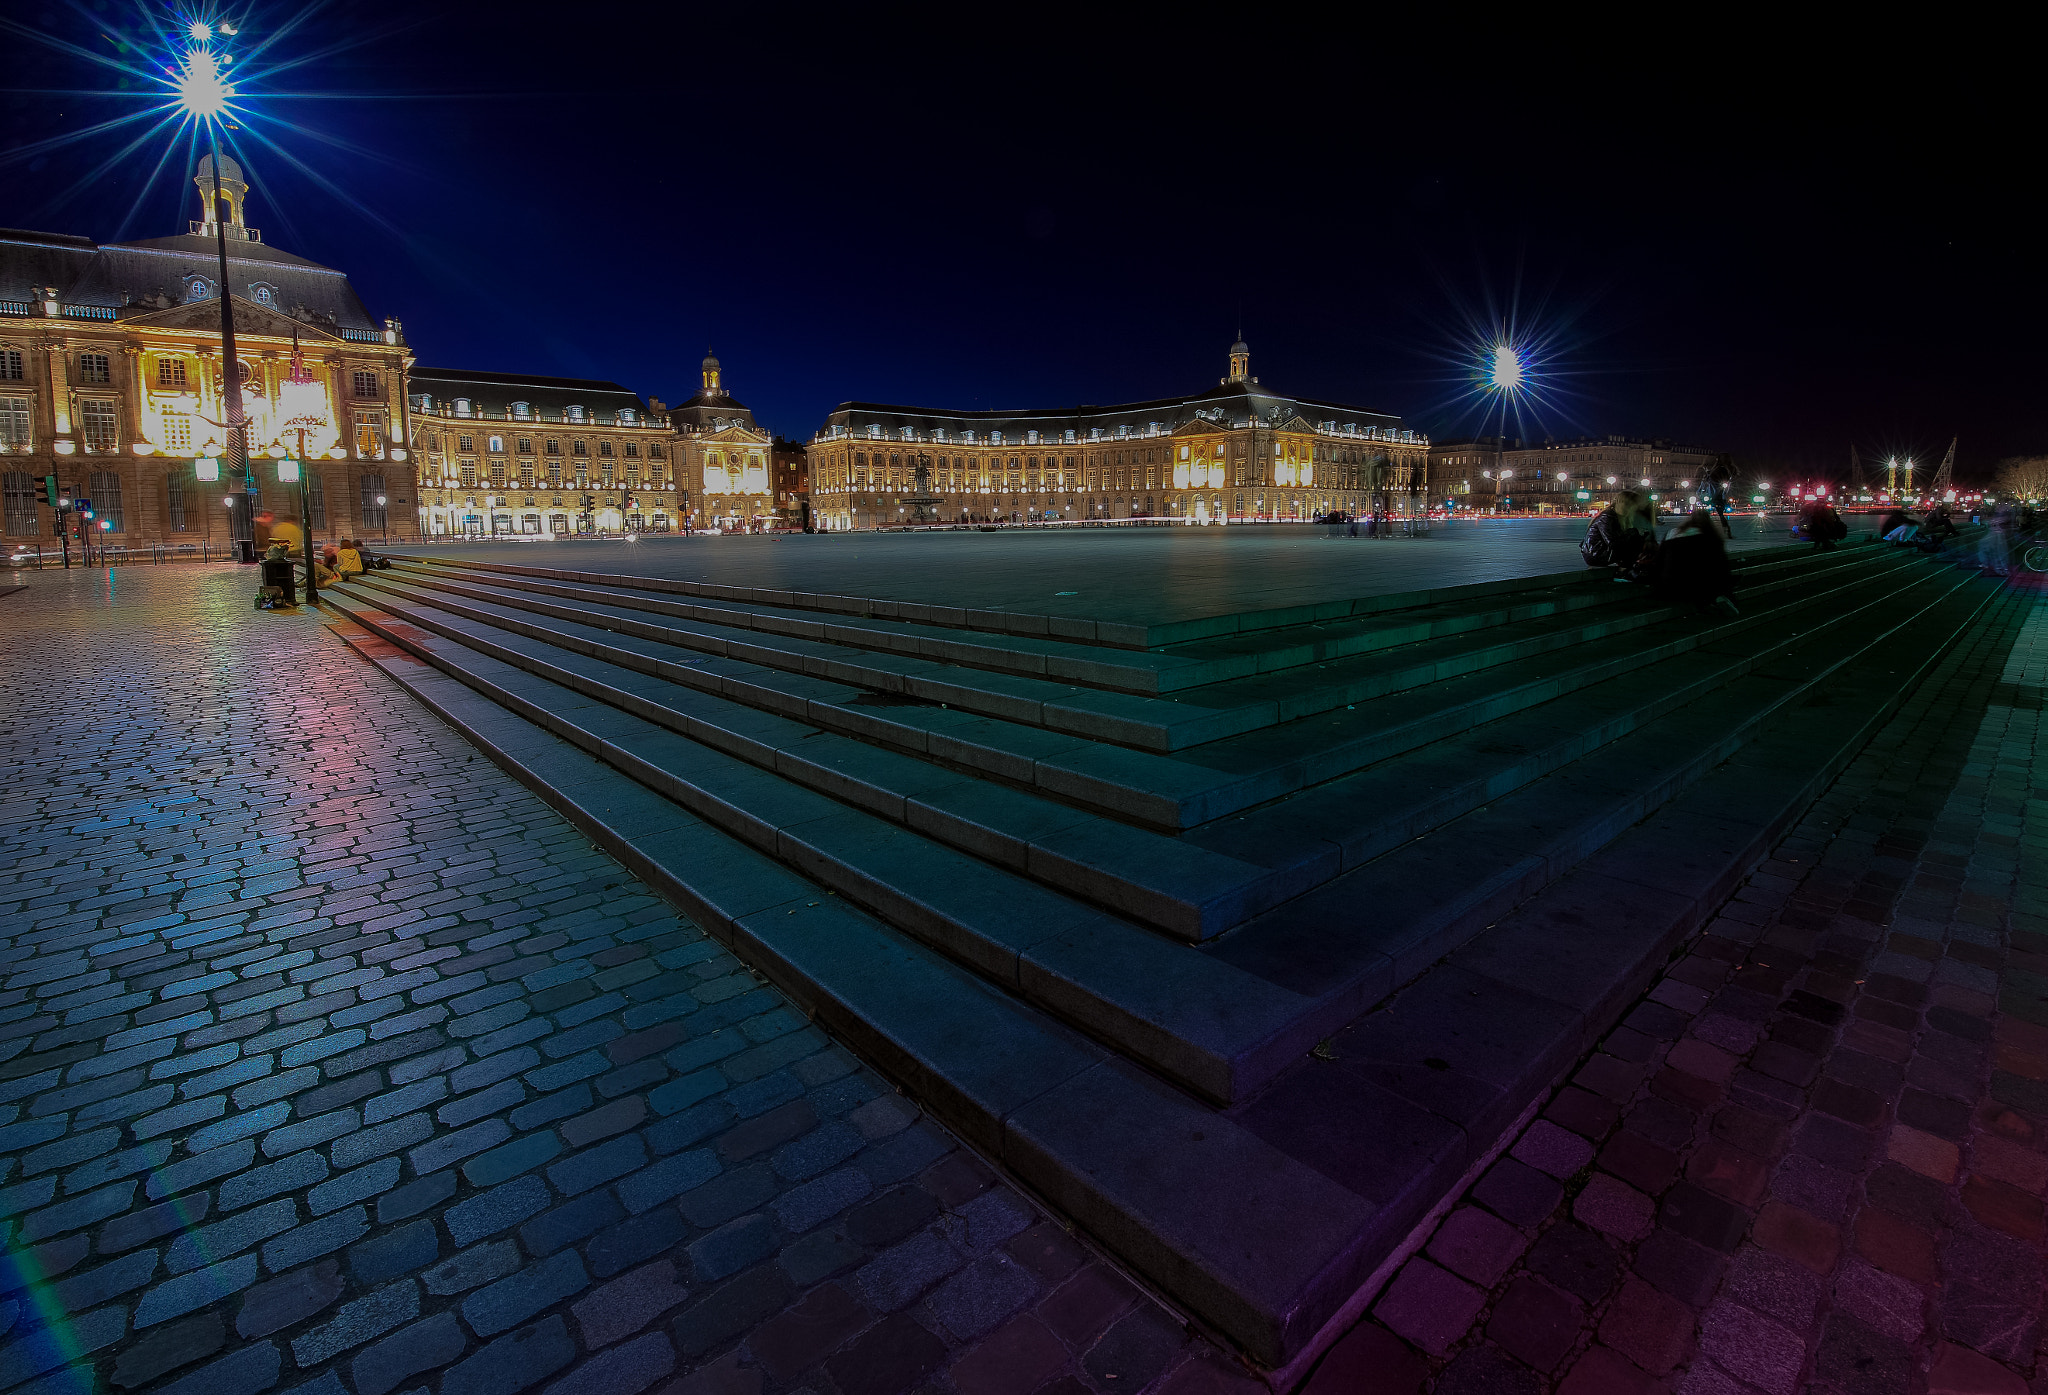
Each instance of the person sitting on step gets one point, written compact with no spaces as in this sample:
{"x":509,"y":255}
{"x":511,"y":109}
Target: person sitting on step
{"x":1692,"y":566}
{"x":1623,"y":536}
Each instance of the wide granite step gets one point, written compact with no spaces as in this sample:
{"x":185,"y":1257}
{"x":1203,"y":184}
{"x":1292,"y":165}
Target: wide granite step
{"x":1300,"y":671}
{"x":1264,"y":1219}
{"x":1112,"y":978}
{"x":1190,"y":788}
{"x":1195,"y":888}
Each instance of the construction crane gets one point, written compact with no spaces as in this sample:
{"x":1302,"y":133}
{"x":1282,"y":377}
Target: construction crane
{"x":1943,"y":477}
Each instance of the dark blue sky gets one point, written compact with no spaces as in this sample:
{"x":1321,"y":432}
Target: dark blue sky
{"x":1767,"y":256}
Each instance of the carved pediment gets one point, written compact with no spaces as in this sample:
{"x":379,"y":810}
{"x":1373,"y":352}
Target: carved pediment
{"x":256,"y":321}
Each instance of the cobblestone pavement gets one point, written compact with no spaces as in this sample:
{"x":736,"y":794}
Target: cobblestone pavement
{"x":1814,"y":1157}
{"x":332,"y":1060}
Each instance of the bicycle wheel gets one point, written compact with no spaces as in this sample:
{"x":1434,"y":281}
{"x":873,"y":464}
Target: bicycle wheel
{"x":2034,"y":557}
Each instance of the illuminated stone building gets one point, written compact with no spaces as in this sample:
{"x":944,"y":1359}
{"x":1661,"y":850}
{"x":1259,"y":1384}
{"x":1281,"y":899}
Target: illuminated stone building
{"x":722,"y":458}
{"x":1236,"y":452}
{"x":514,"y":455}
{"x":1462,"y":473}
{"x":110,"y":378}
{"x":789,"y":469}
{"x":1555,"y":474}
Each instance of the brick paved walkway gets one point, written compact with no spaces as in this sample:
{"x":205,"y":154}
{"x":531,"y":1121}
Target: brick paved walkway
{"x":1814,"y":1157}
{"x":331,"y":1059}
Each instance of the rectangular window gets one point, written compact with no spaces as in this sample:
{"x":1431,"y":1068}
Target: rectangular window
{"x":526,"y":474}
{"x":99,"y":424}
{"x":526,"y":445}
{"x":316,"y":498}
{"x":10,"y":366}
{"x":554,"y":447}
{"x":654,"y":451}
{"x":469,"y":474}
{"x":174,"y":495}
{"x":465,"y":443}
{"x":497,"y":474}
{"x":579,"y":449}
{"x":604,"y":447}
{"x":369,"y":435}
{"x":106,"y":499}
{"x":95,"y":368}
{"x":177,"y":433}
{"x":170,"y":372}
{"x":14,"y":432}
{"x":555,"y":475}
{"x":632,"y":450}
{"x":365,"y":384}
{"x":20,"y":488}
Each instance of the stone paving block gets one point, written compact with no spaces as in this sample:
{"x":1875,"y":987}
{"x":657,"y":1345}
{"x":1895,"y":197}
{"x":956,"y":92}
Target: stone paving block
{"x":244,"y":1372}
{"x":167,"y":1348}
{"x":491,"y":1211}
{"x":628,"y":1303}
{"x":624,"y":1370}
{"x":278,"y":1303}
{"x":1476,"y":1246}
{"x":894,"y":1354}
{"x":1535,"y":1322}
{"x":510,"y":1301}
{"x":384,"y":1365}
{"x":369,"y":1316}
{"x":1428,"y":1306}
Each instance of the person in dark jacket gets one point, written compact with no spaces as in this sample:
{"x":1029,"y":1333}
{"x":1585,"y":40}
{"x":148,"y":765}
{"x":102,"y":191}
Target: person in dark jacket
{"x":1713,"y":491}
{"x":1692,"y":566}
{"x":1623,"y":536}
{"x":1820,"y":525}
{"x":280,"y":585}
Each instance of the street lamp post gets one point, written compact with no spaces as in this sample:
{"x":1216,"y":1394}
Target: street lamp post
{"x":203,"y":93}
{"x":383,"y":524}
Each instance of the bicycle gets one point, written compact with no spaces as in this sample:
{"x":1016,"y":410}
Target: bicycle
{"x":2034,"y":557}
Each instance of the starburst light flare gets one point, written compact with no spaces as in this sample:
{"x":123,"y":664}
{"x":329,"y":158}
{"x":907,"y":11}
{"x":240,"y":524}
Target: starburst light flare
{"x":1506,"y":375}
{"x":201,"y":86}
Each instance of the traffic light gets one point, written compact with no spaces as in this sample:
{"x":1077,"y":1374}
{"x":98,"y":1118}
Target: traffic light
{"x":590,"y":503}
{"x":50,"y":489}
{"x":629,"y":502}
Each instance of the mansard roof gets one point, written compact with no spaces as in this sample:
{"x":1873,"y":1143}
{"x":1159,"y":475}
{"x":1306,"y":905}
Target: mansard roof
{"x":141,"y":277}
{"x":492,"y":394}
{"x":1233,"y":405}
{"x":706,"y":412}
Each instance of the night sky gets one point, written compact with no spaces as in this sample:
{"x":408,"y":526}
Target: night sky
{"x":1039,"y":210}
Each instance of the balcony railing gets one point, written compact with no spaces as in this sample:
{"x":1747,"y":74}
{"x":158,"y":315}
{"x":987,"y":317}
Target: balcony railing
{"x":17,"y":307}
{"x":653,"y":421}
{"x":200,"y":228}
{"x":88,"y":312}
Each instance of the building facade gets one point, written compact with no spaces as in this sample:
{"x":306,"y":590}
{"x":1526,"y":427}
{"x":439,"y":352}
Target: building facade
{"x":722,"y":459}
{"x":515,"y":455}
{"x":1234,"y":453}
{"x":1576,"y":475}
{"x":789,"y":468}
{"x":111,"y":379}
{"x":1465,"y":474}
